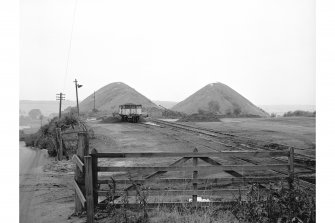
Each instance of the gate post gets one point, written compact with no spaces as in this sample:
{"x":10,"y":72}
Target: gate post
{"x":195,"y":177}
{"x":89,"y":189}
{"x":79,"y":177}
{"x":291,"y":167}
{"x":95,"y":175}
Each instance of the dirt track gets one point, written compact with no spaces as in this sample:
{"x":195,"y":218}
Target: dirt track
{"x":31,"y":162}
{"x":46,"y":194}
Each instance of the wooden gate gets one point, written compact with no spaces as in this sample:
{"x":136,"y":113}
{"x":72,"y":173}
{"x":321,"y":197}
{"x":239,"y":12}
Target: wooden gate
{"x":87,"y":183}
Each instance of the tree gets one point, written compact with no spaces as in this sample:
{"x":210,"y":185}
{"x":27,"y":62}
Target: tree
{"x":41,"y":118}
{"x":213,"y":107}
{"x":35,"y":113}
{"x":70,"y":110}
{"x":237,"y":111}
{"x":201,"y":111}
{"x":228,"y":112}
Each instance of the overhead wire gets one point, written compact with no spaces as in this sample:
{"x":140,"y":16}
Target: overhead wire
{"x":70,"y":43}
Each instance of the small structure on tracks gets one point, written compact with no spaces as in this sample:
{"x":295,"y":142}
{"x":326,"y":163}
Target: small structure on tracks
{"x":130,"y":112}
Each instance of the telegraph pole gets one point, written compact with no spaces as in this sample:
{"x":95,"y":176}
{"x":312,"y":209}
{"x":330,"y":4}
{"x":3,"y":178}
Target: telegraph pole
{"x":60,"y":97}
{"x":77,"y":86}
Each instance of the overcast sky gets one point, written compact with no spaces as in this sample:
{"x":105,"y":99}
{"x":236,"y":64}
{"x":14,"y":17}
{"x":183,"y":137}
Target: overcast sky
{"x":167,"y":50}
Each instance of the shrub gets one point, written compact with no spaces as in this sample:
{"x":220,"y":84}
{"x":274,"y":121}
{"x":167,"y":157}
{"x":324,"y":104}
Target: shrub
{"x":30,"y":139}
{"x":214,"y":107}
{"x":167,"y":113}
{"x":264,"y":205}
{"x":46,"y":137}
{"x":237,"y":111}
{"x":21,"y":135}
{"x":300,"y":113}
{"x":204,"y":117}
{"x":276,"y":205}
{"x":201,"y":111}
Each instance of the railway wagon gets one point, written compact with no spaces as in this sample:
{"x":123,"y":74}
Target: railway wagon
{"x":130,"y":112}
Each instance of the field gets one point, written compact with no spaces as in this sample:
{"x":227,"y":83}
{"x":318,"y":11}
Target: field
{"x":293,"y":131}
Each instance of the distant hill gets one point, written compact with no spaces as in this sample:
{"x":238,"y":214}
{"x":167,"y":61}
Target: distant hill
{"x":46,"y":107}
{"x":220,"y":99}
{"x":166,"y":104}
{"x":109,"y":97}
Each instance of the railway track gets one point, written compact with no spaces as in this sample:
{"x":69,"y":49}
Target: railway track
{"x":234,"y":142}
{"x":240,"y":142}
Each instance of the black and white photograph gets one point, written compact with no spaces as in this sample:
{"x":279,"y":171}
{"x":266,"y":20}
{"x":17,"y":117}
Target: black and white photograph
{"x":166,"y":111}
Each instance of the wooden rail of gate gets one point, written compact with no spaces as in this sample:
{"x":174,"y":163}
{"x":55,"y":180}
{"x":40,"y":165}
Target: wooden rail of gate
{"x":86,"y":182}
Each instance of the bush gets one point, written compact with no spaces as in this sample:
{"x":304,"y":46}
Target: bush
{"x":201,"y":117}
{"x":237,"y":111}
{"x":21,"y":135}
{"x":46,"y":137}
{"x":262,"y":205}
{"x":167,"y":113}
{"x":300,"y":113}
{"x":30,"y":139}
{"x":214,"y":107}
{"x":273,"y":115}
{"x":201,"y":111}
{"x":276,"y":205}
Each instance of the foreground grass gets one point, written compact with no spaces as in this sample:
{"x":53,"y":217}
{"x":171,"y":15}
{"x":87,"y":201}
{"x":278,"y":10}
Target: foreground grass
{"x":201,"y":216}
{"x":165,"y":215}
{"x":273,"y":203}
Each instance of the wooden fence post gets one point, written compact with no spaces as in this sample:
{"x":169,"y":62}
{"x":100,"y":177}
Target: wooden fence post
{"x":291,"y":166}
{"x":60,"y":144}
{"x":95,"y":176}
{"x":82,"y":151}
{"x":195,"y":177}
{"x":57,"y":143}
{"x":89,"y":189}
